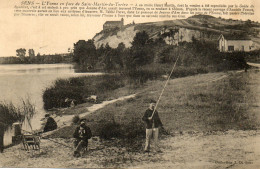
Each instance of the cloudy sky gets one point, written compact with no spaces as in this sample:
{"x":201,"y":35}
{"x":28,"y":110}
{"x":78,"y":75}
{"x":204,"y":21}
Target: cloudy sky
{"x":49,"y":35}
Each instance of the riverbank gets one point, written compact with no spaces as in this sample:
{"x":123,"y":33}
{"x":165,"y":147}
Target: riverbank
{"x":230,"y":149}
{"x":214,"y":101}
{"x":193,"y":109}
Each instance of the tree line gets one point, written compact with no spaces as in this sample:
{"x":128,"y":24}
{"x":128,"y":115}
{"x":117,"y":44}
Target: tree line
{"x":21,"y":58}
{"x":154,"y":55}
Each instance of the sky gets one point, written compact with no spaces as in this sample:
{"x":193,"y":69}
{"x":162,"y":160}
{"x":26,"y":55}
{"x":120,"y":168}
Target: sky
{"x":50,"y":35}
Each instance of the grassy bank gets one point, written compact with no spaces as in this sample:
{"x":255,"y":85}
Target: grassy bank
{"x":209,"y":102}
{"x":79,"y":89}
{"x":187,"y":105}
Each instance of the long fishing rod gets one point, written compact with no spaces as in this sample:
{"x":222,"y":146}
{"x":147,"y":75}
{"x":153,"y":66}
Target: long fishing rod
{"x":165,"y":86}
{"x":59,"y":143}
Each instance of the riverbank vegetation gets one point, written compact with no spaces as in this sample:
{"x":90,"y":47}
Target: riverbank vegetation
{"x":79,"y":89}
{"x":147,"y":59}
{"x":196,"y":56}
{"x":10,"y":114}
{"x":202,"y":103}
{"x":38,"y":59}
{"x":253,"y":56}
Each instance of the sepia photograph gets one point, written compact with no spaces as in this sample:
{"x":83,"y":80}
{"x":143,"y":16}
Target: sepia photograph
{"x":130,"y":84}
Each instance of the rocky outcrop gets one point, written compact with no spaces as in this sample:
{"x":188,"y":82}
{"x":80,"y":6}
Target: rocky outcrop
{"x":124,"y":35}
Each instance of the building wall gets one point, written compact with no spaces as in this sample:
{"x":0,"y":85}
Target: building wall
{"x":222,"y":45}
{"x":239,"y":45}
{"x":113,"y":25}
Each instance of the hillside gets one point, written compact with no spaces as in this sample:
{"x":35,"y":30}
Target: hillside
{"x":201,"y":27}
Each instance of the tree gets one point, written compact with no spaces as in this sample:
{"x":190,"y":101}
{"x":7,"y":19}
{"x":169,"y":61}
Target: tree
{"x":140,"y":39}
{"x":85,"y":52}
{"x":80,"y":51}
{"x":121,"y":47}
{"x":21,"y":53}
{"x":31,"y":53}
{"x":92,"y":53}
{"x":32,"y":58}
{"x":107,"y":58}
{"x":140,"y":50}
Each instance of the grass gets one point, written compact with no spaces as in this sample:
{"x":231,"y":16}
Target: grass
{"x":211,"y":106}
{"x":196,"y":103}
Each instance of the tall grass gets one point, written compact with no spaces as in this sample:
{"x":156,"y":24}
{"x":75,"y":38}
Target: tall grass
{"x":10,"y":114}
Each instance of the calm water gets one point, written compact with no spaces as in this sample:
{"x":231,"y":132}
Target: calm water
{"x":19,"y":82}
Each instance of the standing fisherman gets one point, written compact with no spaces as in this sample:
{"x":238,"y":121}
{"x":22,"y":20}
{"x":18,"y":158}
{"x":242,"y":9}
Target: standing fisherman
{"x":153,"y":123}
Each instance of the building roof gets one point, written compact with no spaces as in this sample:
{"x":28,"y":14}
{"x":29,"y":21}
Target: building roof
{"x":236,"y":37}
{"x":112,"y":22}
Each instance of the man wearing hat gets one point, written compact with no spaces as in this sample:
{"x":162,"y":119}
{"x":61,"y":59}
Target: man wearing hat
{"x":82,"y":134}
{"x":50,"y":124}
{"x":153,"y":123}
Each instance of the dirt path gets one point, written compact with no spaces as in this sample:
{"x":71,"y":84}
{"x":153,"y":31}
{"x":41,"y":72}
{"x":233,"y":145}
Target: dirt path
{"x":231,"y":149}
{"x":66,"y":119}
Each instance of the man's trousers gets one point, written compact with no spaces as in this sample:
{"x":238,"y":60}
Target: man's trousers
{"x":149,"y":133}
{"x":80,"y":145}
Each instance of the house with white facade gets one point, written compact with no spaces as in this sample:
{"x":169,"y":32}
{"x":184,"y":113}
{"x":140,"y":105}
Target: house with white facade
{"x":231,"y":43}
{"x":113,"y":24}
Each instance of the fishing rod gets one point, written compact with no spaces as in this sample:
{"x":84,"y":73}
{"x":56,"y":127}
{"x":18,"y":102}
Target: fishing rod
{"x":165,"y":86}
{"x":59,"y":143}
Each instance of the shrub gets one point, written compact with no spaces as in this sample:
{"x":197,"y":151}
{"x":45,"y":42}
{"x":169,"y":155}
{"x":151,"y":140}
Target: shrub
{"x":75,"y":119}
{"x":79,"y":88}
{"x":110,"y":130}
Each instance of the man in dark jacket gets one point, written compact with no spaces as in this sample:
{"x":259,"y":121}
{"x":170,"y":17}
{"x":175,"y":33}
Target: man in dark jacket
{"x":152,"y":126}
{"x":50,"y":124}
{"x":82,"y":134}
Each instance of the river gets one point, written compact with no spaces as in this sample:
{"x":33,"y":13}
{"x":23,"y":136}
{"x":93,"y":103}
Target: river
{"x":27,"y":81}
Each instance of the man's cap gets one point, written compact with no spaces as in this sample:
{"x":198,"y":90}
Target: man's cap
{"x":152,"y":101}
{"x":47,"y":115}
{"x":81,"y":120}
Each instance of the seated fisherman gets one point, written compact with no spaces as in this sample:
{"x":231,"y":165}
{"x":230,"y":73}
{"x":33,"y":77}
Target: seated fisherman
{"x":50,"y":124}
{"x":82,"y":134}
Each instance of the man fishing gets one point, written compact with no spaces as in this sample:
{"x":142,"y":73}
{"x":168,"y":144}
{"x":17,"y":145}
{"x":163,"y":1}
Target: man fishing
{"x":50,"y":123}
{"x":81,"y":135}
{"x":153,"y":122}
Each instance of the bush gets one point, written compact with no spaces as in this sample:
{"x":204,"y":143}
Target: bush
{"x":110,"y":130}
{"x":78,"y":89}
{"x":126,"y":130}
{"x":75,"y":119}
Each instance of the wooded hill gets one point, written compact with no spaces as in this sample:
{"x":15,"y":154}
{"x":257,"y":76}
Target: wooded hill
{"x":200,"y":27}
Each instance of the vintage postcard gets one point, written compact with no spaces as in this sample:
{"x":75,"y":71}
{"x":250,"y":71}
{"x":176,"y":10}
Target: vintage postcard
{"x":130,"y":84}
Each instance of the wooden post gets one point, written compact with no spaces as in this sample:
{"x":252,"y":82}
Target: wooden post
{"x":1,"y":138}
{"x":17,"y":132}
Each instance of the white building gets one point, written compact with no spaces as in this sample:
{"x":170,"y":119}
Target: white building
{"x":230,"y":43}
